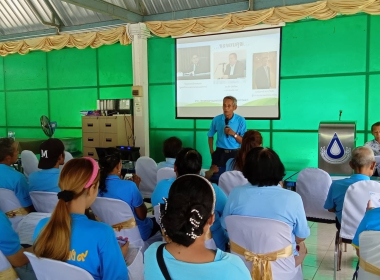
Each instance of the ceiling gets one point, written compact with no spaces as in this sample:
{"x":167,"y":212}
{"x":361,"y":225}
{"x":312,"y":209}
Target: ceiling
{"x":21,"y":19}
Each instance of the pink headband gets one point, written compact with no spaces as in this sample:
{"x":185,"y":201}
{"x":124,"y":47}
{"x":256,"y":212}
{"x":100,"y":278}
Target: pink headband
{"x":95,"y":171}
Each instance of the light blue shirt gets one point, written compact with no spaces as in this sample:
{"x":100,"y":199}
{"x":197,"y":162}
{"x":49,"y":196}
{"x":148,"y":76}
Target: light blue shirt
{"x":45,"y":180}
{"x":371,"y":221}
{"x":9,"y":240}
{"x":15,"y":181}
{"x":375,"y":146}
{"x":128,"y":192}
{"x":337,"y":191}
{"x":169,"y":162}
{"x":230,"y":164}
{"x":93,"y":247}
{"x":237,"y":124}
{"x":224,"y":267}
{"x":272,"y":202}
{"x":219,"y":235}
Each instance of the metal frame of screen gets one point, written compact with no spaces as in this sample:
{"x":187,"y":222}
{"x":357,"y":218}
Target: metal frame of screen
{"x":247,"y":118}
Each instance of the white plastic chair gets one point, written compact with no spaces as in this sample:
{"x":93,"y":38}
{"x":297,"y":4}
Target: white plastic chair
{"x":354,"y":208}
{"x":114,"y":211}
{"x":135,"y":264}
{"x":230,"y":179}
{"x":5,"y":265}
{"x":165,"y":173}
{"x":313,"y":185}
{"x":146,"y":169}
{"x":47,"y":269}
{"x":29,"y":162}
{"x":9,"y":202}
{"x":68,"y":157}
{"x":262,"y":236}
{"x":44,"y":202}
{"x":370,"y":252}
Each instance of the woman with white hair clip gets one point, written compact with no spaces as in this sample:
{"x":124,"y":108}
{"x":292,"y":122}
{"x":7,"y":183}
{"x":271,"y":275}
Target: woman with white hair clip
{"x":186,"y":217}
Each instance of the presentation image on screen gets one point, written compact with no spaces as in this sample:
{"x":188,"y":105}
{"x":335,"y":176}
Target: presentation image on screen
{"x":242,"y":64}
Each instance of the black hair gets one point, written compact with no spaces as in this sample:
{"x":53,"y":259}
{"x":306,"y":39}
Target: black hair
{"x":374,"y":125}
{"x":172,"y":146}
{"x":263,"y":167}
{"x":186,"y":194}
{"x":6,"y":147}
{"x":188,"y":161}
{"x":107,"y":163}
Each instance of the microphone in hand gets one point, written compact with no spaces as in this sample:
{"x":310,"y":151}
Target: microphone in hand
{"x":226,"y":121}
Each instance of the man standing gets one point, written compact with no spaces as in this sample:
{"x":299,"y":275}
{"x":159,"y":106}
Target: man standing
{"x":262,"y":77}
{"x":230,"y":129}
{"x":363,"y":164}
{"x":235,"y":69}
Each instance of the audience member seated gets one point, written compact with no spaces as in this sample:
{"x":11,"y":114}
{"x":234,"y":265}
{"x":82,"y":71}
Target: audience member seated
{"x":375,"y":143}
{"x":189,"y":161}
{"x":111,"y":186}
{"x":370,"y":222}
{"x":10,"y":178}
{"x":12,"y":250}
{"x":171,"y":148}
{"x":363,"y":164}
{"x":264,"y":197}
{"x":70,"y":236}
{"x":51,"y":157}
{"x":251,"y":139}
{"x":186,"y":217}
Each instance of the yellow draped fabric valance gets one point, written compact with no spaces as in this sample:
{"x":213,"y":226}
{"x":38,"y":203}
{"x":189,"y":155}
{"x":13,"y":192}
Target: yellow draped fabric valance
{"x":80,"y":41}
{"x":321,"y":10}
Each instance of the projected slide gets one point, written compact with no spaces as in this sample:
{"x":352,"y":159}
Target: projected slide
{"x":242,"y":64}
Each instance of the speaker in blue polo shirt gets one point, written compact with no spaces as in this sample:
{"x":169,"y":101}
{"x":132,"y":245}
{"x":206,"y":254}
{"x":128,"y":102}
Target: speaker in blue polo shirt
{"x":229,"y":128}
{"x":52,"y":156}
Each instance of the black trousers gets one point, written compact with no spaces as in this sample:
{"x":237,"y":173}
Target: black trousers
{"x":221,"y":156}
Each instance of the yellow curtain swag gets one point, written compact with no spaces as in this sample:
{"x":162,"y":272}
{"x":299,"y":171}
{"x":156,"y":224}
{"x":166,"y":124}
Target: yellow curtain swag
{"x":80,"y":41}
{"x":131,"y":223}
{"x":321,"y":10}
{"x":17,"y":212}
{"x":8,"y":274}
{"x":370,"y":268}
{"x":261,"y":267}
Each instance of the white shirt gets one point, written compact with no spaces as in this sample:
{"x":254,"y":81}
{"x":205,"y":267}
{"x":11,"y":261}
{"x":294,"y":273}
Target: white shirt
{"x":232,"y":69}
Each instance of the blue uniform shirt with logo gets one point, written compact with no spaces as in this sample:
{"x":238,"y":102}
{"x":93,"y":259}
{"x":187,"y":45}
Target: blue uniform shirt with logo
{"x":370,"y":222}
{"x":94,"y":248}
{"x":270,"y":202}
{"x":9,"y":240}
{"x":45,"y":180}
{"x":337,"y":192}
{"x":219,"y":235}
{"x":128,"y":192}
{"x":236,"y":123}
{"x":15,"y":181}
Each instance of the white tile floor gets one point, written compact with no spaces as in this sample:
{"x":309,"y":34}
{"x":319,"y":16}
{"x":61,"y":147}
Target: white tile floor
{"x":319,"y":263}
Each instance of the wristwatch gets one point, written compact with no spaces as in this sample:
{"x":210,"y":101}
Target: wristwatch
{"x":235,"y":135}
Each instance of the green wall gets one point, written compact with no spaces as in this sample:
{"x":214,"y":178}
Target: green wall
{"x":325,"y":66}
{"x":59,"y":84}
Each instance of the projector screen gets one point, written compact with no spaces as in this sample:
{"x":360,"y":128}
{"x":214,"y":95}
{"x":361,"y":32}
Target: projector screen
{"x":243,"y":64}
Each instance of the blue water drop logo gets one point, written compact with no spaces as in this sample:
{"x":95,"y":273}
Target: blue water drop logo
{"x":335,"y":149}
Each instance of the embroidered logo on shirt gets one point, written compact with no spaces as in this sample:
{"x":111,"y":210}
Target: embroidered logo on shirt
{"x":335,"y":152}
{"x":74,"y":257}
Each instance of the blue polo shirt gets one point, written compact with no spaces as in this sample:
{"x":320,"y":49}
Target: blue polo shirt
{"x":45,"y":180}
{"x":237,"y":124}
{"x":94,"y":248}
{"x":128,"y":192}
{"x":224,"y":267}
{"x":9,"y":240}
{"x":371,"y":221}
{"x":169,"y":162}
{"x":15,"y":181}
{"x":219,"y":235}
{"x":271,"y":202}
{"x":230,"y":164}
{"x":337,"y":191}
